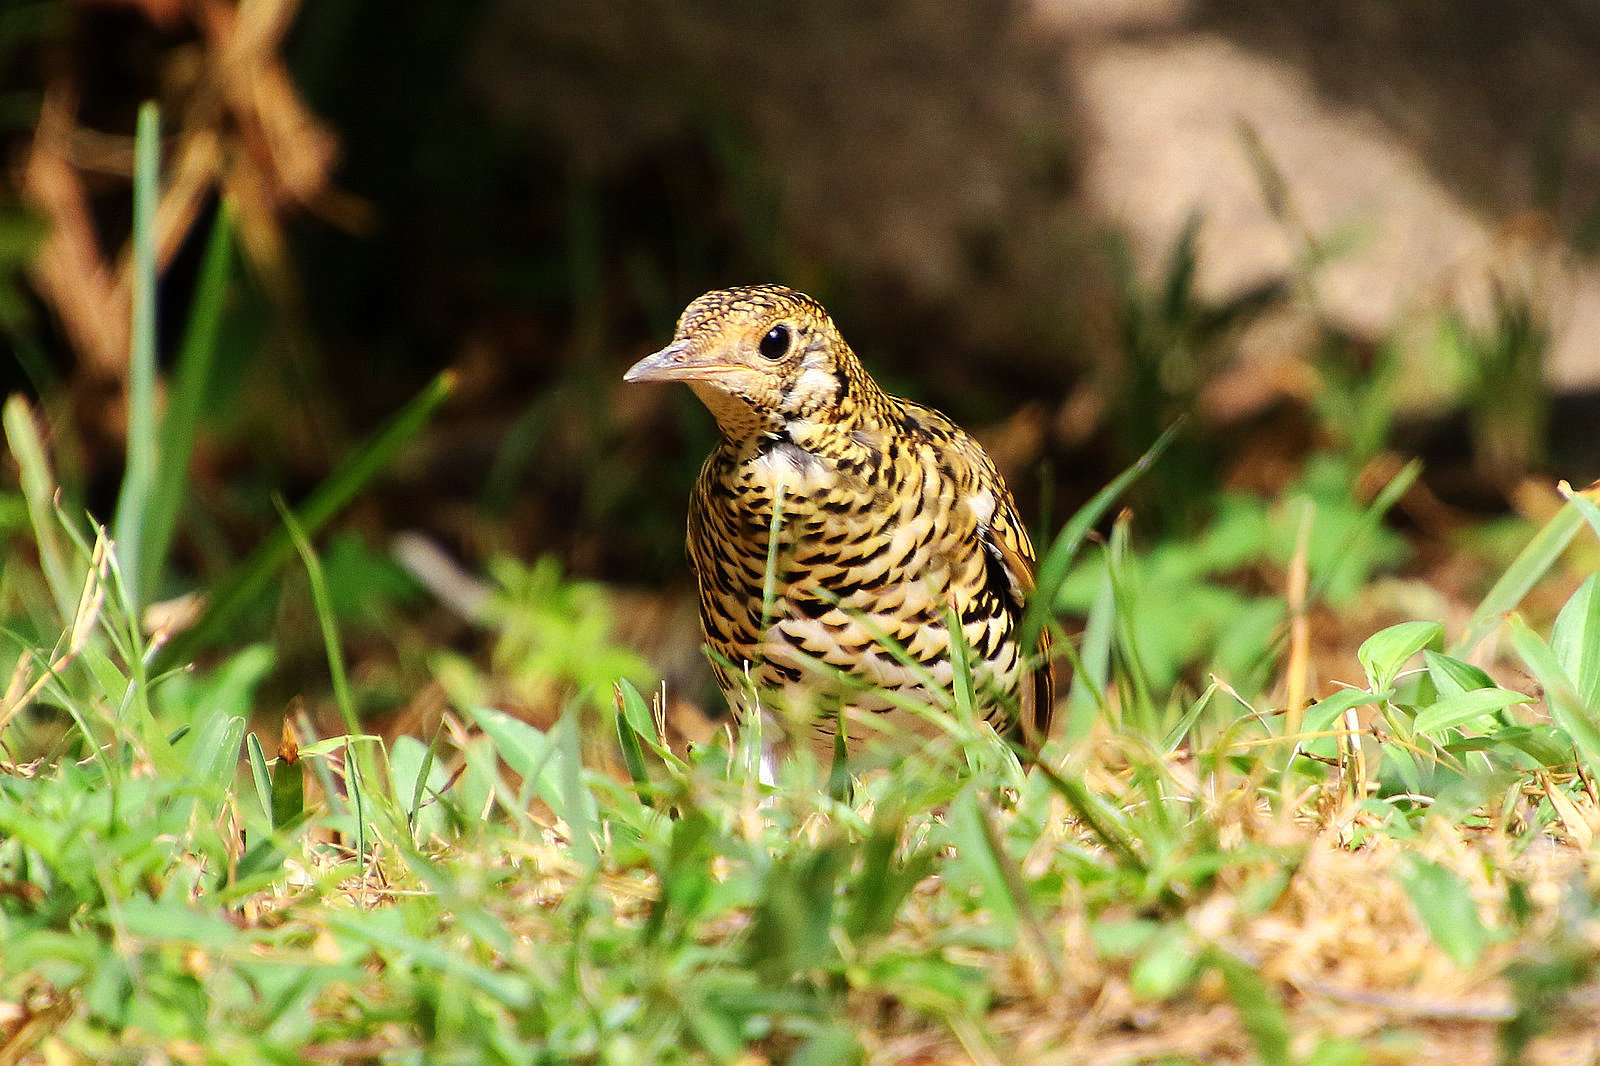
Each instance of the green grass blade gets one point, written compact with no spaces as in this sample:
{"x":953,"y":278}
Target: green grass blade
{"x":1529,"y":567}
{"x":288,"y":783}
{"x":138,"y":480}
{"x":260,"y":776}
{"x":366,"y":784}
{"x":1064,"y":549}
{"x":185,"y":399}
{"x":252,"y":577}
{"x":1138,"y":699}
{"x":323,"y":603}
{"x":1371,"y":517}
{"x":39,"y":490}
{"x":1561,"y":697}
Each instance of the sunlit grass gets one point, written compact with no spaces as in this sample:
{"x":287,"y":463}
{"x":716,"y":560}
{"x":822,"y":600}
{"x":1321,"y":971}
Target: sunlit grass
{"x":1203,"y":864}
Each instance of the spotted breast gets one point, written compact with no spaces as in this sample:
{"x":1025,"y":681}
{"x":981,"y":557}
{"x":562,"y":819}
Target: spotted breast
{"x":837,"y":532}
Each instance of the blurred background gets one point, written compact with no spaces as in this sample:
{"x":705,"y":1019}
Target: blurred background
{"x":1331,"y":237}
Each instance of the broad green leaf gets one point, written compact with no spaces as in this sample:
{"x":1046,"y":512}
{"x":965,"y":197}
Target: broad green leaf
{"x":1575,"y":639}
{"x":214,"y":752}
{"x":383,"y":930}
{"x":1464,"y":707}
{"x":1325,"y":713}
{"x":167,"y":923}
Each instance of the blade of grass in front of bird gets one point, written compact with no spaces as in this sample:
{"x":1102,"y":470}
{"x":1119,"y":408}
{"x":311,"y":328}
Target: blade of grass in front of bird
{"x":252,"y":576}
{"x":961,"y":680}
{"x":1057,"y":561}
{"x":138,"y":478}
{"x":1091,"y":664}
{"x":1138,"y":702}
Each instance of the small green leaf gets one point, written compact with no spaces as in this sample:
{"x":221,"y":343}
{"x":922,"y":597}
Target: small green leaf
{"x":168,"y":922}
{"x":1451,"y":676}
{"x":829,"y":1046}
{"x":1121,"y":939}
{"x":1383,"y":654}
{"x":259,"y":774}
{"x":1324,"y":713}
{"x":1545,"y":744}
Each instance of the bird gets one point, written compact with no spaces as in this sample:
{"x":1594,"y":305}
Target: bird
{"x":836,"y":532}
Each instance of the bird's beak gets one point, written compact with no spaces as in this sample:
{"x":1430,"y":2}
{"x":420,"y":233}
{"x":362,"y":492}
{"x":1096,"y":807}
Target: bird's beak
{"x":678,"y":361}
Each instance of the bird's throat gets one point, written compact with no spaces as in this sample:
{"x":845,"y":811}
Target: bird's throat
{"x":738,"y":420}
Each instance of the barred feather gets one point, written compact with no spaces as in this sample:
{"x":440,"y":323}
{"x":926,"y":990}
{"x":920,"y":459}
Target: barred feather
{"x":893,"y":521}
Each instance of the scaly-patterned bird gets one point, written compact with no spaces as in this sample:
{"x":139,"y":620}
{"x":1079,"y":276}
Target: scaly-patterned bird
{"x":893,"y":521}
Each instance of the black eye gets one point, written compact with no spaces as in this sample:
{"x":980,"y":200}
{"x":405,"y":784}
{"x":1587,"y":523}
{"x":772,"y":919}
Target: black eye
{"x":775,"y":345}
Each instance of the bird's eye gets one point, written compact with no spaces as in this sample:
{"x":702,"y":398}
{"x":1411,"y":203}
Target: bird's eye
{"x":775,"y":345}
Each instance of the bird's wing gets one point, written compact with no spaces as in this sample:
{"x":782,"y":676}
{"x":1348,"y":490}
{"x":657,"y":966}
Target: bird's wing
{"x":1005,"y":540}
{"x":1008,"y":553}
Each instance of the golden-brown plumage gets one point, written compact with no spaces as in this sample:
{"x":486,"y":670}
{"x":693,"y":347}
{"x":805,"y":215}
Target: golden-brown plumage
{"x":893,"y":520}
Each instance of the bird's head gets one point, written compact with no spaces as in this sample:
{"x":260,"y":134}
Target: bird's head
{"x":759,"y":358}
